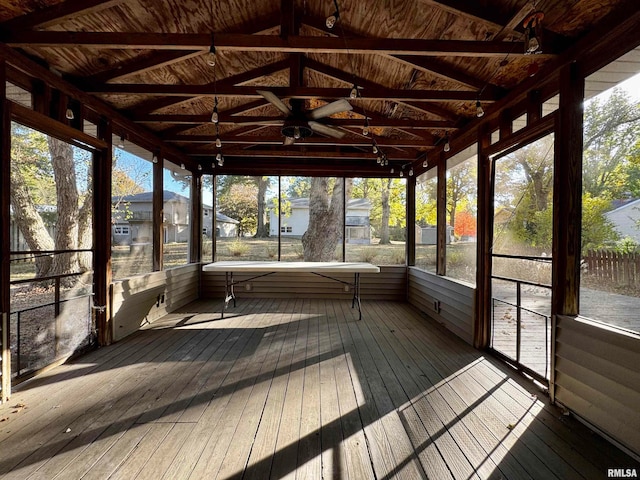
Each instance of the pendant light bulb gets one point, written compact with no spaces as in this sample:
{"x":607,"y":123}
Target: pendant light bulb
{"x":296,"y":133}
{"x":182,"y":166}
{"x":411,"y":172}
{"x":479,"y":109}
{"x":211,"y":56}
{"x":365,"y":131}
{"x":425,"y":164}
{"x":69,"y":114}
{"x":392,"y":171}
{"x":218,"y":142}
{"x":401,"y":174}
{"x":121,"y":142}
{"x":354,"y":91}
{"x":155,"y":159}
{"x":379,"y":160}
{"x":199,"y":167}
{"x":447,"y":145}
{"x":215,"y":117}
{"x":375,"y":148}
{"x":332,"y":19}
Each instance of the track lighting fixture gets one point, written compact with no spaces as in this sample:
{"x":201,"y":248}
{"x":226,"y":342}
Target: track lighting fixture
{"x":211,"y":56}
{"x":215,"y":117}
{"x":69,"y":114}
{"x":333,"y":18}
{"x":354,"y":92}
{"x":479,"y":109}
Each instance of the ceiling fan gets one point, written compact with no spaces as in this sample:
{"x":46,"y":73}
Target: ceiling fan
{"x":301,"y":124}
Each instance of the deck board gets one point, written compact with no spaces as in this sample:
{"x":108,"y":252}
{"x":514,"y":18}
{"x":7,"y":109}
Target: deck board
{"x":293,"y":388}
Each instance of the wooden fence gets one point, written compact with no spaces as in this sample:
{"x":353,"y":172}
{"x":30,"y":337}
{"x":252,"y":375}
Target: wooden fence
{"x":620,"y":268}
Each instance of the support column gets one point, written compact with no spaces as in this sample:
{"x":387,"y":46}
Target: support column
{"x":195,"y":245}
{"x":102,"y":274}
{"x":482,"y":320}
{"x":158,"y":213}
{"x":411,"y":220}
{"x":5,"y":211}
{"x":441,"y":252}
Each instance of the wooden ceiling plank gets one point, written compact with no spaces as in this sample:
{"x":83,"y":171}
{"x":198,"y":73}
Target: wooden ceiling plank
{"x":324,"y":153}
{"x":57,"y":13}
{"x":141,"y":65}
{"x":264,"y":43}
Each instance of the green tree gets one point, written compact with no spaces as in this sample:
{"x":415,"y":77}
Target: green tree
{"x":240,"y":201}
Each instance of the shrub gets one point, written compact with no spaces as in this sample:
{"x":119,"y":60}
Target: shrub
{"x":238,"y":248}
{"x":367,"y":254}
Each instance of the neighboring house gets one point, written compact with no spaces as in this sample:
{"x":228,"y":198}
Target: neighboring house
{"x":428,"y":235}
{"x":358,"y":225}
{"x":132,"y":219}
{"x":625,"y":218}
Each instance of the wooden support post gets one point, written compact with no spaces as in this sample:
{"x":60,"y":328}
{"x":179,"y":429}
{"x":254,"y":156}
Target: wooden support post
{"x":195,"y":245}
{"x":102,"y":167}
{"x":567,"y":204}
{"x":441,"y":266}
{"x":158,"y":213}
{"x":411,"y":220}
{"x":482,"y":321}
{"x":5,"y":210}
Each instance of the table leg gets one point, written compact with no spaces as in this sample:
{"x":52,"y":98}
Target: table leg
{"x":356,"y":294}
{"x":229,"y":294}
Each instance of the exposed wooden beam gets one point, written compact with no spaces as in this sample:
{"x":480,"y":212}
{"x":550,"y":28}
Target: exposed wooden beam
{"x":58,"y":13}
{"x":369,"y":85}
{"x":277,"y":140}
{"x":264,"y":43}
{"x":424,"y":64}
{"x":157,"y":104}
{"x":378,"y":93}
{"x":226,"y":119}
{"x":324,"y":153}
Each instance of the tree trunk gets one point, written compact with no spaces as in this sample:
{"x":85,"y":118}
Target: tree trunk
{"x":29,"y":221}
{"x":262,"y":231}
{"x":66,"y":237}
{"x":385,"y":238}
{"x":326,"y":219}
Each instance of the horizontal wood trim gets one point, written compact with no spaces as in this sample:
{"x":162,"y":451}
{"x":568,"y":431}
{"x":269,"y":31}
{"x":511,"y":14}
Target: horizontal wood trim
{"x":456,"y":301}
{"x":596,"y":376}
{"x":138,"y":301}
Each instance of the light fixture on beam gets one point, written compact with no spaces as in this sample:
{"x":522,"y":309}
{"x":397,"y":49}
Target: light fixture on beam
{"x":215,"y":117}
{"x":211,"y":56}
{"x":533,"y":33}
{"x":334,"y":17}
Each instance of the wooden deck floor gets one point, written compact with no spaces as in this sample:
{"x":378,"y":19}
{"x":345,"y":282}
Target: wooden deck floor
{"x":292,"y":389}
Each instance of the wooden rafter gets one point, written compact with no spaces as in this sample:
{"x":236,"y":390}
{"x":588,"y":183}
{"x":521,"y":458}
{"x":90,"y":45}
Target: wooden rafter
{"x":264,"y":43}
{"x":377,"y":93}
{"x":57,"y":13}
{"x":313,"y":140}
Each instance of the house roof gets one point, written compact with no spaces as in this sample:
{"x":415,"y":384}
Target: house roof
{"x":420,"y":67}
{"x":147,"y":197}
{"x":621,"y":205}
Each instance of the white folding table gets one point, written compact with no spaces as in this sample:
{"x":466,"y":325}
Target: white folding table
{"x":261,"y":269}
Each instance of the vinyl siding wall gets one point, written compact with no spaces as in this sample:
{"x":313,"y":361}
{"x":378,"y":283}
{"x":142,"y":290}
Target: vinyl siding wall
{"x":597,"y":376}
{"x":138,"y":301}
{"x":456,"y":301}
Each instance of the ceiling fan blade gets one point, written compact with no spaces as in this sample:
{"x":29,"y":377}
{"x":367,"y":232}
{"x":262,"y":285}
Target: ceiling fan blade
{"x":326,"y":130}
{"x":289,"y":141}
{"x":275,"y":101}
{"x":329,"y":109}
